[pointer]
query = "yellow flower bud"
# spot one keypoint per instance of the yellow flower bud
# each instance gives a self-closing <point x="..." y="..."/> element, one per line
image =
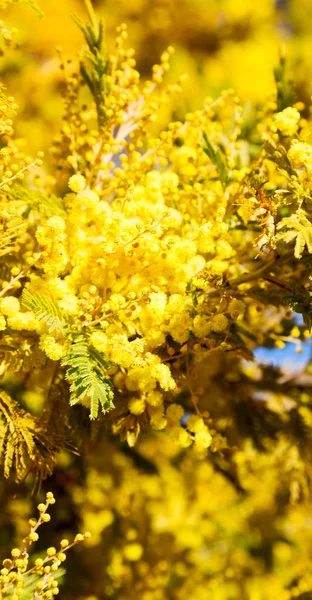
<point x="133" y="552"/>
<point x="77" y="183"/>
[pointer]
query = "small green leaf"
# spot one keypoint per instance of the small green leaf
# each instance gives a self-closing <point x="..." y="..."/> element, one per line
<point x="217" y="159"/>
<point x="86" y="373"/>
<point x="284" y="86"/>
<point x="34" y="6"/>
<point x="45" y="310"/>
<point x="296" y="228"/>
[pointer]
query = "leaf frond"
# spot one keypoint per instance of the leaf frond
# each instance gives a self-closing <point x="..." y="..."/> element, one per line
<point x="45" y="310"/>
<point x="86" y="374"/>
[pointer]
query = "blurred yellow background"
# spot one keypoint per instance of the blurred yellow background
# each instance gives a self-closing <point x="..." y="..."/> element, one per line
<point x="218" y="43"/>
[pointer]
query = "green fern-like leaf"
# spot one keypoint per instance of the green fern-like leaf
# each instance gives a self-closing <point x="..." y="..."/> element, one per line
<point x="31" y="582"/>
<point x="217" y="159"/>
<point x="86" y="373"/>
<point x="297" y="228"/>
<point x="284" y="86"/>
<point x="24" y="446"/>
<point x="94" y="65"/>
<point x="30" y="3"/>
<point x="20" y="354"/>
<point x="48" y="205"/>
<point x="300" y="301"/>
<point x="16" y="436"/>
<point x="12" y="227"/>
<point x="45" y="310"/>
<point x="34" y="6"/>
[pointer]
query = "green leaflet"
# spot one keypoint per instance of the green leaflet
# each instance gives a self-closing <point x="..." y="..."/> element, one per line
<point x="31" y="582"/>
<point x="94" y="64"/>
<point x="45" y="310"/>
<point x="86" y="367"/>
<point x="217" y="159"/>
<point x="34" y="6"/>
<point x="284" y="86"/>
<point x="86" y="374"/>
<point x="30" y="3"/>
<point x="23" y="444"/>
<point x="300" y="302"/>
<point x="48" y="205"/>
<point x="296" y="228"/>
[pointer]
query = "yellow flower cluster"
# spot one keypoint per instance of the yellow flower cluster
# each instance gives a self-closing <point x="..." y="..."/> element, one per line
<point x="54" y="350"/>
<point x="192" y="505"/>
<point x="148" y="260"/>
<point x="52" y="246"/>
<point x="17" y="573"/>
<point x="138" y="249"/>
<point x="300" y="156"/>
<point x="287" y="121"/>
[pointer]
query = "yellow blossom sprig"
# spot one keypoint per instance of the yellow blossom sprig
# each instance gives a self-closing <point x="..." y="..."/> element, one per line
<point x="10" y="177"/>
<point x="16" y="577"/>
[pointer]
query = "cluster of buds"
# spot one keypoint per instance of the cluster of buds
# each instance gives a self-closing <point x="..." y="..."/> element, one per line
<point x="16" y="573"/>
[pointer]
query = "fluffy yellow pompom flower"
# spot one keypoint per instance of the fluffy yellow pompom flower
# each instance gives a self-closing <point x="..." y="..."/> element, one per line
<point x="174" y="413"/>
<point x="154" y="398"/>
<point x="133" y="552"/>
<point x="218" y="323"/>
<point x="56" y="224"/>
<point x="236" y="308"/>
<point x="183" y="158"/>
<point x="300" y="155"/>
<point x="53" y="349"/>
<point x="195" y="424"/>
<point x="99" y="340"/>
<point x="89" y="195"/>
<point x="158" y="421"/>
<point x="53" y="244"/>
<point x="201" y="326"/>
<point x="163" y="375"/>
<point x="184" y="438"/>
<point x="77" y="183"/>
<point x="137" y="406"/>
<point x="9" y="306"/>
<point x="22" y="320"/>
<point x="2" y="324"/>
<point x="203" y="439"/>
<point x="287" y="121"/>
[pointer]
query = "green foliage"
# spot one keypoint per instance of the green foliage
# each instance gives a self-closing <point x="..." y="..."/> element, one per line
<point x="278" y="154"/>
<point x="45" y="310"/>
<point x="94" y="68"/>
<point x="19" y="355"/>
<point x="300" y="301"/>
<point x="299" y="229"/>
<point x="32" y="580"/>
<point x="284" y="86"/>
<point x="34" y="199"/>
<point x="86" y="369"/>
<point x="32" y="4"/>
<point x="23" y="445"/>
<point x="217" y="159"/>
<point x="12" y="226"/>
<point x="17" y="432"/>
